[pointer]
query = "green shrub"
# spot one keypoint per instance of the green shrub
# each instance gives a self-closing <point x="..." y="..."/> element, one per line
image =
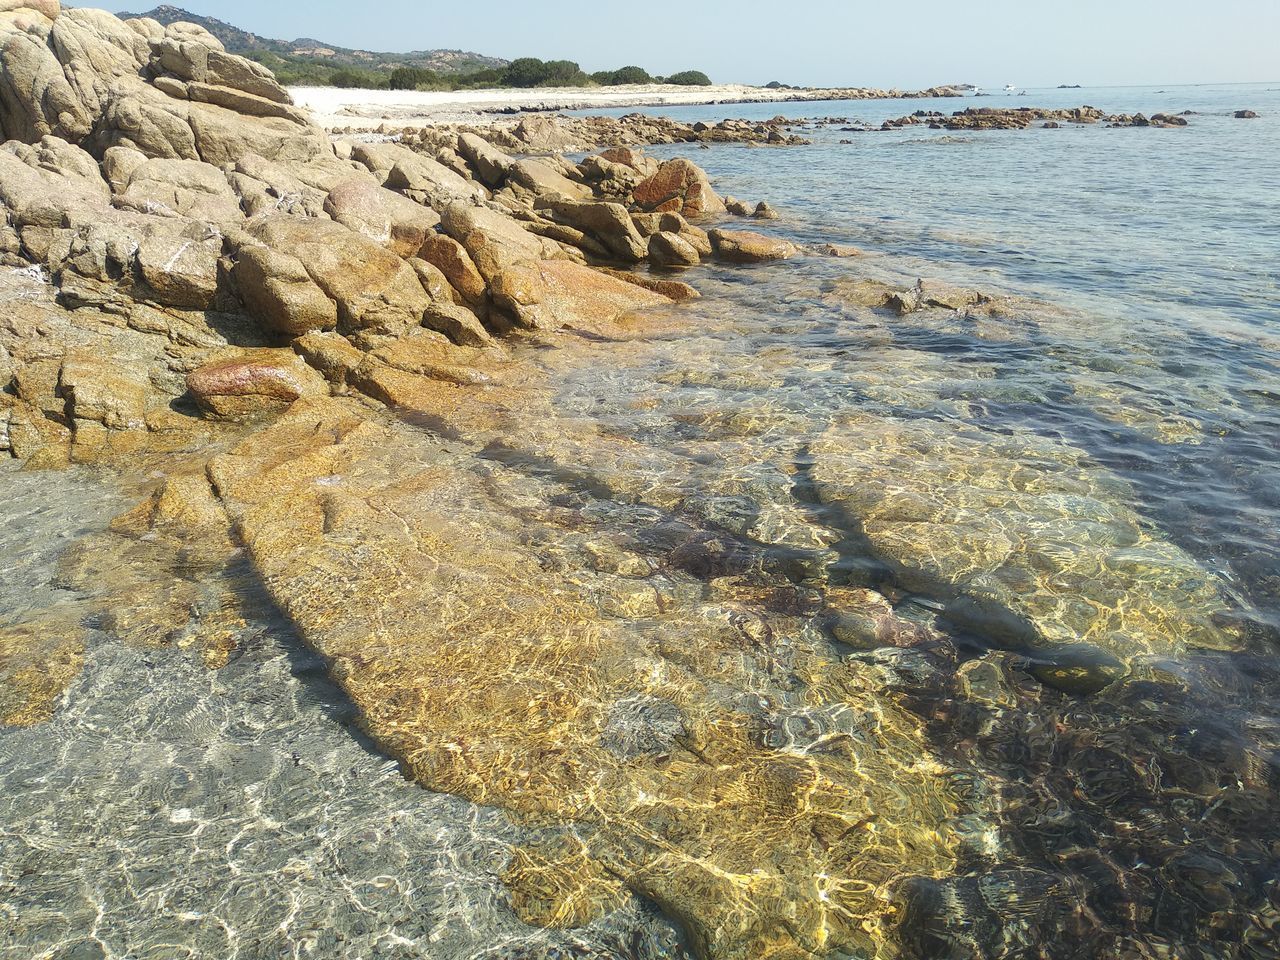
<point x="628" y="75"/>
<point x="532" y="72"/>
<point x="351" y="78"/>
<point x="689" y="78"/>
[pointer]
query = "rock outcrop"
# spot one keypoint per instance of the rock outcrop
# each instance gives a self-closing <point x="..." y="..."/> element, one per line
<point x="680" y="187"/>
<point x="1020" y="118"/>
<point x="179" y="204"/>
<point x="496" y="679"/>
<point x="746" y="246"/>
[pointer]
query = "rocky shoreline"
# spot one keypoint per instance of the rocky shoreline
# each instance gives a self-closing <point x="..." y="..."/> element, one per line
<point x="562" y="134"/>
<point x="305" y="359"/>
<point x="368" y="110"/>
<point x="566" y="134"/>
<point x="201" y="287"/>
<point x="186" y="208"/>
<point x="1020" y="118"/>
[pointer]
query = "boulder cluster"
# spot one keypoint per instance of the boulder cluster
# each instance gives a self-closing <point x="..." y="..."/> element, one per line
<point x="1020" y="118"/>
<point x="543" y="133"/>
<point x="181" y="231"/>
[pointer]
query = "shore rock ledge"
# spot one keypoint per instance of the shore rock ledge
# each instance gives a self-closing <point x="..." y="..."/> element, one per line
<point x="166" y="202"/>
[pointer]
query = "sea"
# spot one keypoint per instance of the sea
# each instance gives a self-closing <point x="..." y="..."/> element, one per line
<point x="1064" y="473"/>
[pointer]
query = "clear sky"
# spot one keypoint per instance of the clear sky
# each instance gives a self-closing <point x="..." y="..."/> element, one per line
<point x="884" y="43"/>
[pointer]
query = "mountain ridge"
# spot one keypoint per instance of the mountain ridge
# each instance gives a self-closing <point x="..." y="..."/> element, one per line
<point x="305" y="58"/>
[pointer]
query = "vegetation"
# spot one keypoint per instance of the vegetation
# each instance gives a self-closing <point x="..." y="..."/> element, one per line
<point x="532" y="72"/>
<point x="689" y="78"/>
<point x="353" y="79"/>
<point x="312" y="63"/>
<point x="529" y="72"/>
<point x="616" y="78"/>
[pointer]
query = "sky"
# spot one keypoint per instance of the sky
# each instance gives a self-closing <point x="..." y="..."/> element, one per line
<point x="880" y="43"/>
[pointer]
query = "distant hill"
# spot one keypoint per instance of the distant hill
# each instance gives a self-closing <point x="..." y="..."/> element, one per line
<point x="306" y="60"/>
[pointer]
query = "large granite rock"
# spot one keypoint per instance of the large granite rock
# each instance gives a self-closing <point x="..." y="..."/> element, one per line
<point x="490" y="164"/>
<point x="672" y="250"/>
<point x="493" y="240"/>
<point x="412" y="173"/>
<point x="184" y="188"/>
<point x="607" y="222"/>
<point x="36" y="99"/>
<point x="493" y="677"/>
<point x="451" y="258"/>
<point x="179" y="262"/>
<point x="42" y="184"/>
<point x="387" y="218"/>
<point x="172" y="93"/>
<point x="372" y="290"/>
<point x="278" y="291"/>
<point x="679" y="187"/>
<point x="551" y="294"/>
<point x="542" y="178"/>
<point x="746" y="246"/>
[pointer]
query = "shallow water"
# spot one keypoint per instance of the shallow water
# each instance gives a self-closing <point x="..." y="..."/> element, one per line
<point x="170" y="811"/>
<point x="1075" y="488"/>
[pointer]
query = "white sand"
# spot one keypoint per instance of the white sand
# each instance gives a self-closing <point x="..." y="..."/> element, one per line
<point x="369" y="109"/>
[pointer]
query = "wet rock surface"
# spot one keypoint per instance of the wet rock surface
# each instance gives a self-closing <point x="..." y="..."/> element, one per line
<point x="504" y="730"/>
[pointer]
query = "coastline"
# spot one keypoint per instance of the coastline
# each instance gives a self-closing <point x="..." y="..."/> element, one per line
<point x="369" y="109"/>
<point x="436" y="541"/>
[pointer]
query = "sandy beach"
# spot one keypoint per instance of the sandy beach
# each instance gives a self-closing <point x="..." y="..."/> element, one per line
<point x="368" y="109"/>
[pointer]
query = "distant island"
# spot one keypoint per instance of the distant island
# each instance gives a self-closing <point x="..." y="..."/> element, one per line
<point x="1070" y="86"/>
<point x="310" y="62"/>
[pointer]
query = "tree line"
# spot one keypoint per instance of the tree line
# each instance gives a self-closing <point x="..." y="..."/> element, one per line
<point x="525" y="72"/>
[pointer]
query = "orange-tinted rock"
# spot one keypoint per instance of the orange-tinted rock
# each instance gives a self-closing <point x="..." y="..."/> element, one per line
<point x="451" y="258"/>
<point x="252" y="383"/>
<point x="679" y="186"/>
<point x="745" y="246"/>
<point x="671" y="289"/>
<point x="623" y="155"/>
<point x="672" y="250"/>
<point x="373" y="290"/>
<point x="386" y="218"/>
<point x="560" y="293"/>
<point x="38" y="661"/>
<point x="277" y="289"/>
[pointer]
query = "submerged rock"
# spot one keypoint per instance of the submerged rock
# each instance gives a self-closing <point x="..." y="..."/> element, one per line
<point x="1024" y="541"/>
<point x="38" y="661"/>
<point x="499" y="681"/>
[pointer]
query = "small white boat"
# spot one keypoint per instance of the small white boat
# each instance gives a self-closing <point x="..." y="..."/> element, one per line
<point x="1009" y="88"/>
